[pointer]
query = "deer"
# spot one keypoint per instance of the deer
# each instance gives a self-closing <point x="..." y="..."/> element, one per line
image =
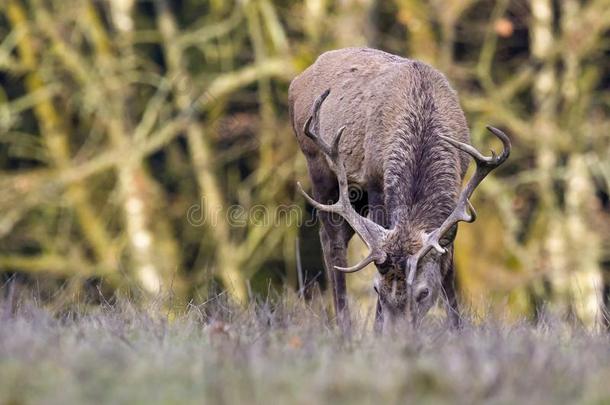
<point x="393" y="127"/>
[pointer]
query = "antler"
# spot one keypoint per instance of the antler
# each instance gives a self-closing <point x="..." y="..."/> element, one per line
<point x="464" y="210"/>
<point x="371" y="233"/>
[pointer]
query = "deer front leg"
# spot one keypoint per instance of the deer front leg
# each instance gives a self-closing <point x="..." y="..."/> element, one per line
<point x="334" y="236"/>
<point x="451" y="303"/>
<point x="335" y="233"/>
<point x="377" y="213"/>
<point x="378" y="326"/>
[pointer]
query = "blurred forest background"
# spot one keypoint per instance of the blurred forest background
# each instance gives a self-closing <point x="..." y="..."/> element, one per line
<point x="130" y="130"/>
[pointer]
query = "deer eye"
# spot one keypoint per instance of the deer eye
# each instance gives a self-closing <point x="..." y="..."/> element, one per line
<point x="383" y="269"/>
<point x="422" y="294"/>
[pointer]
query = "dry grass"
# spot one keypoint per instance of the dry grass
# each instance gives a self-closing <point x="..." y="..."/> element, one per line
<point x="286" y="352"/>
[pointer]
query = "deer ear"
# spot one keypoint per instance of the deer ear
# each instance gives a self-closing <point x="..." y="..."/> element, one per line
<point x="449" y="236"/>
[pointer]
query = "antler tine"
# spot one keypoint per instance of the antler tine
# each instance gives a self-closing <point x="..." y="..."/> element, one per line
<point x="371" y="233"/>
<point x="315" y="119"/>
<point x="492" y="161"/>
<point x="363" y="263"/>
<point x="464" y="211"/>
<point x="314" y="203"/>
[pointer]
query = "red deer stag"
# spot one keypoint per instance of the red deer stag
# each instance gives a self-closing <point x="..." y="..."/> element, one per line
<point x="393" y="127"/>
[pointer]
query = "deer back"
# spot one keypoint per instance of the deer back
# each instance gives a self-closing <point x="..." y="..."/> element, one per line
<point x="393" y="109"/>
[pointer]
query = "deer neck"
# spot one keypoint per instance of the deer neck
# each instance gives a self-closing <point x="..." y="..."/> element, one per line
<point x="421" y="181"/>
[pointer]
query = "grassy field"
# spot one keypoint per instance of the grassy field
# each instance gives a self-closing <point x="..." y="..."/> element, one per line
<point x="287" y="352"/>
